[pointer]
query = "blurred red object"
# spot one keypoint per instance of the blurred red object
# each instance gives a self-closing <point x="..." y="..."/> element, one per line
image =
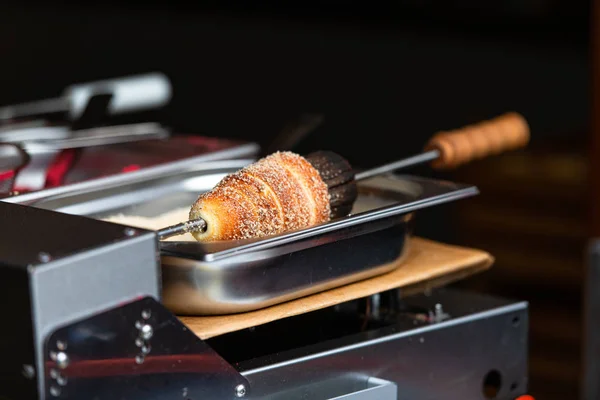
<point x="75" y="165"/>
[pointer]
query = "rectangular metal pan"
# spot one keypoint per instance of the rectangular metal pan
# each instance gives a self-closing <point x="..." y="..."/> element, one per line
<point x="240" y="276"/>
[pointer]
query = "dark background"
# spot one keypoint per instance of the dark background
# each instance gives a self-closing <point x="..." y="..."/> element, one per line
<point x="385" y="76"/>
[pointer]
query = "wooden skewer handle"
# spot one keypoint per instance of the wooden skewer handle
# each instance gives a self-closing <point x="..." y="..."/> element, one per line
<point x="506" y="132"/>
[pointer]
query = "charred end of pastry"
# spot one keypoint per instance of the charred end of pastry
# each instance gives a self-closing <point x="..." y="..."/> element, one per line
<point x="342" y="198"/>
<point x="341" y="211"/>
<point x="338" y="174"/>
<point x="333" y="168"/>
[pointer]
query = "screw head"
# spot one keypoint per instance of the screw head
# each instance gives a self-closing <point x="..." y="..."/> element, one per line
<point x="60" y="345"/>
<point x="44" y="257"/>
<point x="129" y="231"/>
<point x="28" y="371"/>
<point x="146" y="331"/>
<point x="61" y="380"/>
<point x="146" y="314"/>
<point x="54" y="391"/>
<point x="240" y="390"/>
<point x="62" y="360"/>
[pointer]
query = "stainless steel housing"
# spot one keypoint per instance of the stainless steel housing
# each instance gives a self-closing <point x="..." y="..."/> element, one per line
<point x="52" y="277"/>
<point x="478" y="350"/>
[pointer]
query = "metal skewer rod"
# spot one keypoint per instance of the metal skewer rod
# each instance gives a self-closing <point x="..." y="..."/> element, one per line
<point x="445" y="150"/>
<point x="406" y="162"/>
<point x="194" y="225"/>
<point x="197" y="225"/>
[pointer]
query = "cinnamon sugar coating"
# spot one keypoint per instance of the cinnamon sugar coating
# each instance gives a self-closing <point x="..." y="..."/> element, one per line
<point x="278" y="193"/>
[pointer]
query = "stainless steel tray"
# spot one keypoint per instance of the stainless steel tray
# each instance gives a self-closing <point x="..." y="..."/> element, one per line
<point x="232" y="277"/>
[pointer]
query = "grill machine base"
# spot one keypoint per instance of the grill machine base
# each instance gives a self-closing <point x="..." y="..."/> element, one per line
<point x="82" y="319"/>
<point x="446" y="345"/>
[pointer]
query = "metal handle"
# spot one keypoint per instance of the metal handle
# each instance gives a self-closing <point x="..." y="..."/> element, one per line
<point x="132" y="93"/>
<point x="102" y="136"/>
<point x="128" y="94"/>
<point x="377" y="389"/>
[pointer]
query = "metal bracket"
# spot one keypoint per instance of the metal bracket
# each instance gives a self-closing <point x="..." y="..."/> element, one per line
<point x="138" y="350"/>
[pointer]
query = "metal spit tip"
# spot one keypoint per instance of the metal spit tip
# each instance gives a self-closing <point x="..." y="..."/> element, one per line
<point x="194" y="225"/>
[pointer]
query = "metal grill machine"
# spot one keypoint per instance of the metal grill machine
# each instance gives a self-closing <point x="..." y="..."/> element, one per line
<point x="355" y="309"/>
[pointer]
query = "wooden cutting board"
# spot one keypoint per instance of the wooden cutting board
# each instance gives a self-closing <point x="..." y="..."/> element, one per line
<point x="428" y="264"/>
